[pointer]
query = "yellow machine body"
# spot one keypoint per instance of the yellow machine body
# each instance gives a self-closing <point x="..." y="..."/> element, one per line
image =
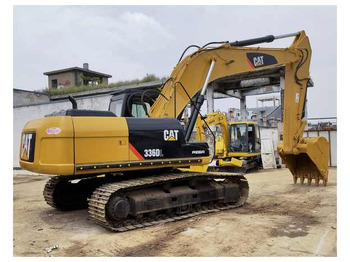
<point x="66" y="145"/>
<point x="232" y="162"/>
<point x="55" y="153"/>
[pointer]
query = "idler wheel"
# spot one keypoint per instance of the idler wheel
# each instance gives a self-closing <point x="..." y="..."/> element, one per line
<point x="118" y="208"/>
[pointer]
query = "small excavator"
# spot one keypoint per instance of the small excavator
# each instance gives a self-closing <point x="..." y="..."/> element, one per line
<point x="126" y="169"/>
<point x="237" y="149"/>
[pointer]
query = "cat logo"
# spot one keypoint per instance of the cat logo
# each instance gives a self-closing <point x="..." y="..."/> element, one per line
<point x="258" y="61"/>
<point x="27" y="147"/>
<point x="170" y="135"/>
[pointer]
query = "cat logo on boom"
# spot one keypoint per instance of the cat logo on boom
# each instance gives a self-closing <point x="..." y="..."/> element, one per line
<point x="256" y="60"/>
<point x="170" y="135"/>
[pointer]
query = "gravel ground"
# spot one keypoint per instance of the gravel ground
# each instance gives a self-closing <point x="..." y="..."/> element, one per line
<point x="279" y="219"/>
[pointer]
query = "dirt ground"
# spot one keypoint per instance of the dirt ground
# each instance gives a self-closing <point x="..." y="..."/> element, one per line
<point x="279" y="219"/>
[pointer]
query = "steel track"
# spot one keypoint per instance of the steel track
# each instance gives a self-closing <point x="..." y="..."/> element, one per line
<point x="98" y="200"/>
<point x="49" y="190"/>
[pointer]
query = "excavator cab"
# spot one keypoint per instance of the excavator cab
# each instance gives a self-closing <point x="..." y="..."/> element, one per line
<point x="244" y="138"/>
<point x="133" y="102"/>
<point x="243" y="150"/>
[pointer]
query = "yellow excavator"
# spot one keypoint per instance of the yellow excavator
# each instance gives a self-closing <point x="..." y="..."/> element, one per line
<point x="126" y="169"/>
<point x="237" y="149"/>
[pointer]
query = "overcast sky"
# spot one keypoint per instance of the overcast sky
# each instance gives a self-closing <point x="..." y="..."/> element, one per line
<point x="131" y="41"/>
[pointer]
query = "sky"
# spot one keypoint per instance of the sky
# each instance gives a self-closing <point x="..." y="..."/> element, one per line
<point x="131" y="41"/>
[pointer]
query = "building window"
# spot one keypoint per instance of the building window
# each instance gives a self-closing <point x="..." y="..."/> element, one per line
<point x="54" y="83"/>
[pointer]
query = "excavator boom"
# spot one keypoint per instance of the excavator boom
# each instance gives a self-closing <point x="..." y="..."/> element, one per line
<point x="305" y="157"/>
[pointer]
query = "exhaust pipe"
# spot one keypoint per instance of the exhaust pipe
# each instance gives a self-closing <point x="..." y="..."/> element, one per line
<point x="73" y="101"/>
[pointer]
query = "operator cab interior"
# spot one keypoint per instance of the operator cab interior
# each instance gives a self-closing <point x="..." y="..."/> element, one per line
<point x="133" y="104"/>
<point x="244" y="137"/>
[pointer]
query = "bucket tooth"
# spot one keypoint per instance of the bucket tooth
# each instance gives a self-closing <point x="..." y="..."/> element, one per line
<point x="295" y="179"/>
<point x="317" y="180"/>
<point x="309" y="179"/>
<point x="324" y="182"/>
<point x="302" y="178"/>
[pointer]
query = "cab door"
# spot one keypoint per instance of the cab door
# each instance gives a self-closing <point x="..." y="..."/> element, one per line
<point x="254" y="143"/>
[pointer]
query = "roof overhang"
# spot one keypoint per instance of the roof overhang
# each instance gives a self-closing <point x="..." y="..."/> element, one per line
<point x="65" y="70"/>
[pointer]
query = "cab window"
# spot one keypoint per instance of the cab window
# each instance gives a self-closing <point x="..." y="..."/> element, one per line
<point x="138" y="109"/>
<point x="238" y="138"/>
<point x="116" y="107"/>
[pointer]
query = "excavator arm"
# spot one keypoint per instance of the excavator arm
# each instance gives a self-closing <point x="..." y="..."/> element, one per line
<point x="214" y="118"/>
<point x="305" y="157"/>
<point x="221" y="145"/>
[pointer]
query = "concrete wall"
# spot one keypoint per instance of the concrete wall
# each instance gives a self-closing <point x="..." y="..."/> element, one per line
<point x="23" y="97"/>
<point x="22" y="114"/>
<point x="63" y="79"/>
<point x="79" y="79"/>
<point x="105" y="80"/>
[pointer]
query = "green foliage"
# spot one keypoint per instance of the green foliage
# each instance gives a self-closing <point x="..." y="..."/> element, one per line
<point x="94" y="80"/>
<point x="76" y="89"/>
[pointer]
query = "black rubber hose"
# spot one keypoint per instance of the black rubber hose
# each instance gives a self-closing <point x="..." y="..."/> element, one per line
<point x="183" y="53"/>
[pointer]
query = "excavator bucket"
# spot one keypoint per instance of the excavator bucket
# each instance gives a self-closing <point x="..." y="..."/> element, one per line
<point x="309" y="160"/>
